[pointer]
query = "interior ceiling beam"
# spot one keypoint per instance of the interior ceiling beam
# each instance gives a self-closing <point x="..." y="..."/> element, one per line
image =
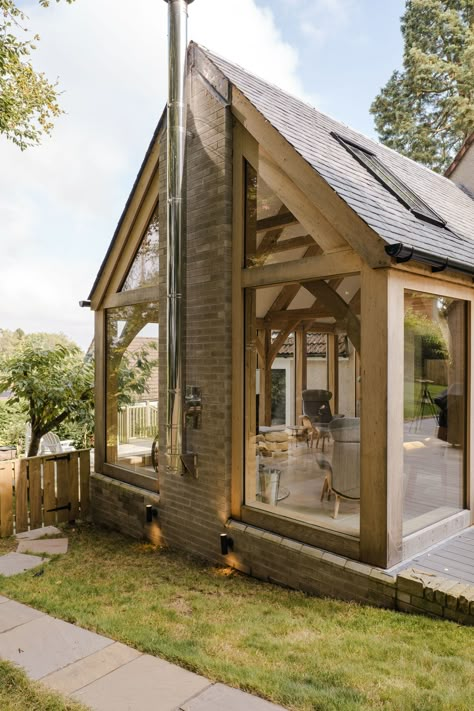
<point x="289" y="291"/>
<point x="281" y="220"/>
<point x="342" y="312"/>
<point x="304" y="209"/>
<point x="274" y="247"/>
<point x="279" y="341"/>
<point x="267" y="242"/>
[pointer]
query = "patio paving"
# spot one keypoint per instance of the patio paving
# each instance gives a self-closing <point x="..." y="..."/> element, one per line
<point x="106" y="675"/>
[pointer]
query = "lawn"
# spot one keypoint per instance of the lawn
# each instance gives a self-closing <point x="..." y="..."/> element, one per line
<point x="18" y="693"/>
<point x="300" y="651"/>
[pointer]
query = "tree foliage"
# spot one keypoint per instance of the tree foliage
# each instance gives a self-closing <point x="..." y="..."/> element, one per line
<point x="426" y="110"/>
<point x="52" y="386"/>
<point x="28" y="100"/>
<point x="49" y="384"/>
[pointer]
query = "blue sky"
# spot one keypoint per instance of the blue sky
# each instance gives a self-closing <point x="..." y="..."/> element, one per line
<point x="60" y="202"/>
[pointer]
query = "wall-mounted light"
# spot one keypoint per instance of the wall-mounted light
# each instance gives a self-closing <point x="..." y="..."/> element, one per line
<point x="84" y="304"/>
<point x="227" y="543"/>
<point x="151" y="513"/>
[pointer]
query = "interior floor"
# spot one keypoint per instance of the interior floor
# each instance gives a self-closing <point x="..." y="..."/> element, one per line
<point x="432" y="483"/>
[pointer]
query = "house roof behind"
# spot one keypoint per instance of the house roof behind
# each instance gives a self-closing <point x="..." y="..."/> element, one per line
<point x="309" y="132"/>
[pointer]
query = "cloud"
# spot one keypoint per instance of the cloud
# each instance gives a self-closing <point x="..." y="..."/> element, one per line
<point x="60" y="202"/>
<point x="320" y="20"/>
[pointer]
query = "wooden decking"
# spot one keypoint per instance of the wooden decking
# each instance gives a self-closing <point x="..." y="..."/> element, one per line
<point x="452" y="559"/>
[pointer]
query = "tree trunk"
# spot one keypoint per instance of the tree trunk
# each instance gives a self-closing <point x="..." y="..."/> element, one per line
<point x="34" y="444"/>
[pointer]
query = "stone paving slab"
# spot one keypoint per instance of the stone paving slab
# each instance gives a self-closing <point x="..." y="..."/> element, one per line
<point x="45" y="645"/>
<point x="38" y="533"/>
<point x="51" y="546"/>
<point x="145" y="683"/>
<point x="219" y="697"/>
<point x="91" y="668"/>
<point x="15" y="563"/>
<point x="13" y="614"/>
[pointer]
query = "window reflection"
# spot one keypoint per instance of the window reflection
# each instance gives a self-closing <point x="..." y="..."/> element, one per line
<point x="434" y="409"/>
<point x="146" y="264"/>
<point x="132" y="387"/>
<point x="302" y="408"/>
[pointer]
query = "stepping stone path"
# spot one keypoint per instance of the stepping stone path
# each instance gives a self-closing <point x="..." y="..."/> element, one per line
<point x="32" y="542"/>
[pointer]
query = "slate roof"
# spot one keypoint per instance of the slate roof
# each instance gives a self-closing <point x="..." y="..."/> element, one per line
<point x="308" y="131"/>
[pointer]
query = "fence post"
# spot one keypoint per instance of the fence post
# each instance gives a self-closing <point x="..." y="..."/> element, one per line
<point x="6" y="498"/>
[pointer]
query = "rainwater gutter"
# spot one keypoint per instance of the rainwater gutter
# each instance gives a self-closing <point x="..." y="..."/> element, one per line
<point x="405" y="253"/>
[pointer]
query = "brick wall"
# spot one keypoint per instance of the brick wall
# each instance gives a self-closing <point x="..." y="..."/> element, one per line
<point x="194" y="511"/>
<point x="121" y="507"/>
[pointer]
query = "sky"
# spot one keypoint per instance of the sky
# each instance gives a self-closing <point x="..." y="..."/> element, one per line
<point x="60" y="202"/>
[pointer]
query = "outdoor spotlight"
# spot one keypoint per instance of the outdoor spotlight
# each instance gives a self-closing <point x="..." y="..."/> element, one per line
<point x="227" y="543"/>
<point x="84" y="304"/>
<point x="151" y="513"/>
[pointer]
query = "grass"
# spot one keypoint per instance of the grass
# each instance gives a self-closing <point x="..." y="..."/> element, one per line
<point x="18" y="693"/>
<point x="302" y="652"/>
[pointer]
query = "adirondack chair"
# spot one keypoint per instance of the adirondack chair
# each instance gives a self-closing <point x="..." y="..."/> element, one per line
<point x="49" y="443"/>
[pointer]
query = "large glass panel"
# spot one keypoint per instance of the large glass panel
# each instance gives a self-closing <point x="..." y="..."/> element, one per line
<point x="146" y="264"/>
<point x="272" y="233"/>
<point x="132" y="388"/>
<point x="434" y="409"/>
<point x="302" y="410"/>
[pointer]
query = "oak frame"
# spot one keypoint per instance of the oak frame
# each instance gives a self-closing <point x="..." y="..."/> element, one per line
<point x="382" y="312"/>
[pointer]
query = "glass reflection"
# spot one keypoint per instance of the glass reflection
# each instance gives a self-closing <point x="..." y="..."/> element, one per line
<point x="434" y="409"/>
<point x="132" y="387"/>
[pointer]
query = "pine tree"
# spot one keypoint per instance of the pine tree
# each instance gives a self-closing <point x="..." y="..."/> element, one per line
<point x="426" y="110"/>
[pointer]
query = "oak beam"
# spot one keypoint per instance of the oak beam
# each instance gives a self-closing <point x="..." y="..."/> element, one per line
<point x="341" y="311"/>
<point x="281" y="220"/>
<point x="333" y="369"/>
<point x="301" y="371"/>
<point x="300" y="205"/>
<point x="325" y="266"/>
<point x="279" y="341"/>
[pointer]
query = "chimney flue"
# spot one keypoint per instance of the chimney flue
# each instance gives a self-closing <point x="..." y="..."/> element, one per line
<point x="176" y="225"/>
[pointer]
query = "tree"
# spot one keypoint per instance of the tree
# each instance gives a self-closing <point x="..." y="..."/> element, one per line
<point x="52" y="386"/>
<point x="28" y="101"/>
<point x="426" y="110"/>
<point x="49" y="384"/>
<point x="10" y="340"/>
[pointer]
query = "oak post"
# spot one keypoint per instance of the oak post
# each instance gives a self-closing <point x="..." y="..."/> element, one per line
<point x="381" y="418"/>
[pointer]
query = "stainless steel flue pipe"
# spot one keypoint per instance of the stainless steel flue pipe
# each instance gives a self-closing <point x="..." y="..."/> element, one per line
<point x="176" y="224"/>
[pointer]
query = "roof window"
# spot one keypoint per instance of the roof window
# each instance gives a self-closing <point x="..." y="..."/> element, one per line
<point x="391" y="182"/>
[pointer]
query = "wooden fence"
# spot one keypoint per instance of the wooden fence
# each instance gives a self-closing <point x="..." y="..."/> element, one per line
<point x="44" y="490"/>
<point x="137" y="421"/>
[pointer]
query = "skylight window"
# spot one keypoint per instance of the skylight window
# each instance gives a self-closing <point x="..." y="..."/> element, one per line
<point x="390" y="181"/>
